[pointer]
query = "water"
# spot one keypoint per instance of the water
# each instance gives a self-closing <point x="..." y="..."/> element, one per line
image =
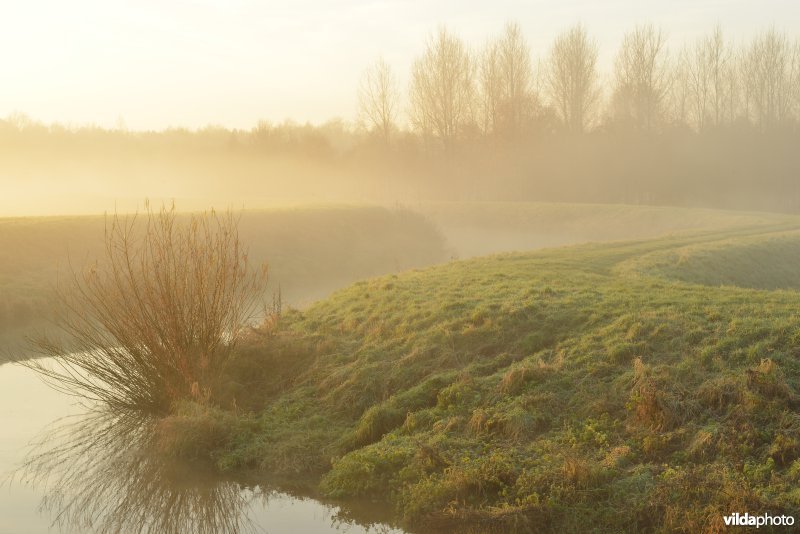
<point x="85" y="471"/>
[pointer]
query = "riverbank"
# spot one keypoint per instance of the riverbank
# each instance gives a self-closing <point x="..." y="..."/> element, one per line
<point x="608" y="385"/>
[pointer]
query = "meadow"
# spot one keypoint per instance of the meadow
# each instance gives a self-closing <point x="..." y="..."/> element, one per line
<point x="648" y="385"/>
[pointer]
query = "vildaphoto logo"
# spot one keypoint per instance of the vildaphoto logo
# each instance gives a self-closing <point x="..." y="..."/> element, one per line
<point x="765" y="520"/>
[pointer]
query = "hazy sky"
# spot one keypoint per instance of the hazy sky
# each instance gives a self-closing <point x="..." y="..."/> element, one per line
<point x="191" y="63"/>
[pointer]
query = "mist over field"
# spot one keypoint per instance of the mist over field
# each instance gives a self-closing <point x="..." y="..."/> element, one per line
<point x="399" y="266"/>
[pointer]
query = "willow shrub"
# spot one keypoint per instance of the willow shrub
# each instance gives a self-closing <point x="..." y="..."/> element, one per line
<point x="156" y="319"/>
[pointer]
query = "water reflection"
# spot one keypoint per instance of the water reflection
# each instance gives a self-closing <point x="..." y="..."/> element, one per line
<point x="96" y="471"/>
<point x="99" y="472"/>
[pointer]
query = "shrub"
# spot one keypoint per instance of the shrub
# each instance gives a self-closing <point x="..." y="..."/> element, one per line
<point x="156" y="319"/>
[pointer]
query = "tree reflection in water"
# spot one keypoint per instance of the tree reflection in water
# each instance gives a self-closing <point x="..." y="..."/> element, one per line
<point x="101" y="473"/>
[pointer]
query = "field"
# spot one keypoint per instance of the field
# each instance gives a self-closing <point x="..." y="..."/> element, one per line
<point x="481" y="228"/>
<point x="649" y="384"/>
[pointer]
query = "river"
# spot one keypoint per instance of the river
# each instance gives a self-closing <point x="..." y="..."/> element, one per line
<point x="83" y="472"/>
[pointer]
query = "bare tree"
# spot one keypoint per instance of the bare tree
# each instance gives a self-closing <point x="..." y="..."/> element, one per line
<point x="506" y="79"/>
<point x="733" y="90"/>
<point x="379" y="99"/>
<point x="442" y="90"/>
<point x="769" y="72"/>
<point x="490" y="92"/>
<point x="642" y="77"/>
<point x="679" y="101"/>
<point x="796" y="78"/>
<point x="707" y="75"/>
<point x="572" y="80"/>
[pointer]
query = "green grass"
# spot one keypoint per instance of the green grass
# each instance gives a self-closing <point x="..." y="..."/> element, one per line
<point x="602" y="387"/>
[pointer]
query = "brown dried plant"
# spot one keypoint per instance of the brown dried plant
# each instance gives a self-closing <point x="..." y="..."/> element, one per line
<point x="156" y="319"/>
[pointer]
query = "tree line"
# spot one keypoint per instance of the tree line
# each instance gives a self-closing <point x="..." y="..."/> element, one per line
<point x="456" y="94"/>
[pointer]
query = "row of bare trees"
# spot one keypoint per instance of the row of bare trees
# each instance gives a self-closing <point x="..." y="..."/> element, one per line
<point x="455" y="93"/>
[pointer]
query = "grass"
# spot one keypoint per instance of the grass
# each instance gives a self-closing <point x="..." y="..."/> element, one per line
<point x="602" y="387"/>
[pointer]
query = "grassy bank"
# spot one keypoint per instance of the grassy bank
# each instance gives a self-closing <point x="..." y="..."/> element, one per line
<point x="649" y="385"/>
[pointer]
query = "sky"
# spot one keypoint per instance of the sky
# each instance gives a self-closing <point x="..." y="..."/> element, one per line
<point x="152" y="64"/>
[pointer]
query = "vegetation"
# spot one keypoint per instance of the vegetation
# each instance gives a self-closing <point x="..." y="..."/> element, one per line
<point x="154" y="321"/>
<point x="603" y="386"/>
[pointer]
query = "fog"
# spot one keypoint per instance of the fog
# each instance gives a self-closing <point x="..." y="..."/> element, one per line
<point x="709" y="122"/>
